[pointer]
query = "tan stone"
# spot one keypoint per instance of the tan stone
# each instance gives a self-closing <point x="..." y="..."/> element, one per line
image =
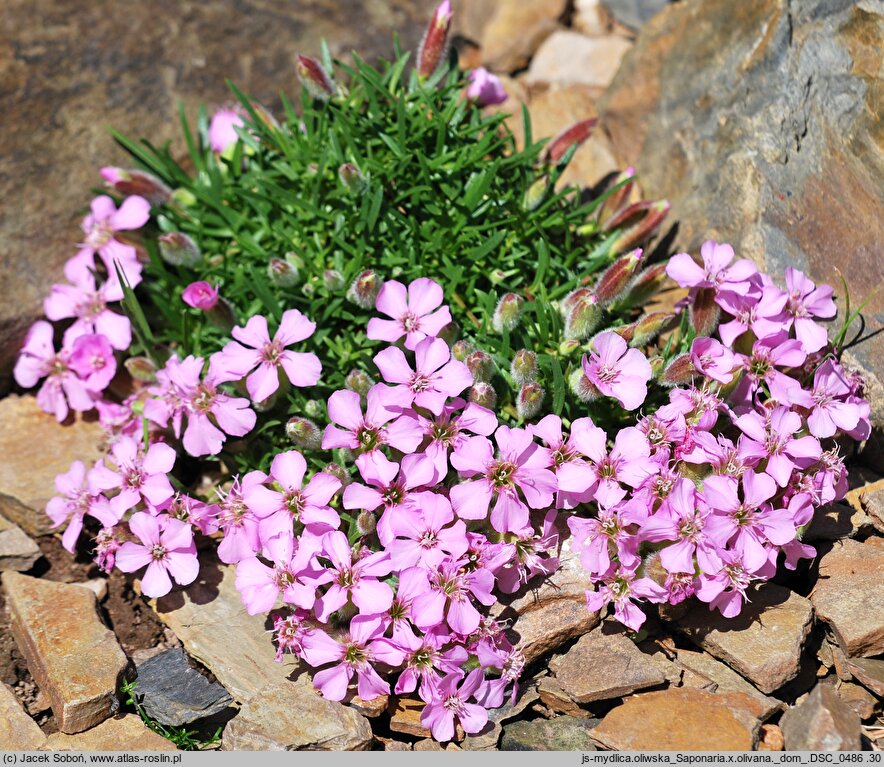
<point x="590" y="17"/>
<point x="487" y="739"/>
<point x="393" y="745"/>
<point x="835" y="521"/>
<point x="604" y="664"/>
<point x="516" y="29"/>
<point x="822" y="722"/>
<point x="35" y="448"/>
<point x="370" y="708"/>
<point x="570" y="58"/>
<point x="123" y="733"/>
<point x="18" y="732"/>
<point x="771" y="738"/>
<point x="858" y="698"/>
<point x="869" y="672"/>
<point x="681" y="719"/>
<point x="556" y="699"/>
<point x="405" y="717"/>
<point x="17" y="551"/>
<point x="848" y="596"/>
<point x="763" y="643"/>
<point x="428" y="744"/>
<point x="74" y="658"/>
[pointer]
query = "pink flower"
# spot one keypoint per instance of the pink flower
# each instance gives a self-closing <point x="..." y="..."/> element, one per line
<point x="379" y="426"/>
<point x="168" y="552"/>
<point x="774" y="439"/>
<point x="415" y="313"/>
<point x="833" y="409"/>
<point x="222" y="129"/>
<point x="425" y="535"/>
<point x="617" y="371"/>
<point x="611" y="533"/>
<point x="353" y="579"/>
<point x="290" y="578"/>
<point x="806" y="300"/>
<point x="423" y="657"/>
<point x="768" y="354"/>
<point x="92" y="358"/>
<point x="567" y="460"/>
<point x="485" y="88"/>
<point x="725" y="589"/>
<point x="88" y="305"/>
<point x="713" y="360"/>
<point x="448" y="597"/>
<point x="138" y="475"/>
<point x="451" y="706"/>
<point x="622" y="589"/>
<point x="200" y="295"/>
<point x="80" y="494"/>
<point x="237" y="521"/>
<point x="716" y="271"/>
<point x="763" y="315"/>
<point x="258" y="353"/>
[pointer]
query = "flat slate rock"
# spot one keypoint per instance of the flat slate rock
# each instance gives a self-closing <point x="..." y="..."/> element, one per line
<point x="850" y="598"/>
<point x="74" y="658"/>
<point x="122" y="733"/>
<point x="174" y="693"/>
<point x="18" y="732"/>
<point x="763" y="643"/>
<point x="822" y="722"/>
<point x="562" y="733"/>
<point x="17" y="551"/>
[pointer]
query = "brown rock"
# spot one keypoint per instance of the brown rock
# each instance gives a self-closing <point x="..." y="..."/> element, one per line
<point x="763" y="643"/>
<point x="527" y="695"/>
<point x="835" y="521"/>
<point x="18" y="732"/>
<point x="771" y="738"/>
<point x="556" y="699"/>
<point x="74" y="658"/>
<point x="428" y="744"/>
<point x="394" y="745"/>
<point x="370" y="708"/>
<point x="561" y="733"/>
<point x="516" y="30"/>
<point x="17" y="551"/>
<point x="604" y="664"/>
<point x="568" y="58"/>
<point x="823" y="722"/>
<point x="873" y="503"/>
<point x="122" y="733"/>
<point x="858" y="496"/>
<point x="848" y="596"/>
<point x="471" y="17"/>
<point x="28" y="468"/>
<point x="590" y="18"/>
<point x="681" y="719"/>
<point x="869" y="672"/>
<point x="484" y="740"/>
<point x="405" y="717"/>
<point x="858" y="698"/>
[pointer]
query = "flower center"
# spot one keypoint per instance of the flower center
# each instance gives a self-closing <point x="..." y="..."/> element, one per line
<point x="355" y="654"/>
<point x="99" y="235"/>
<point x="134" y="478"/>
<point x="294" y="503"/>
<point x="394" y="495"/>
<point x="419" y="383"/>
<point x="204" y="399"/>
<point x="368" y="437"/>
<point x="444" y="433"/>
<point x="428" y="540"/>
<point x="270" y="353"/>
<point x="158" y="552"/>
<point x="347" y="578"/>
<point x="606" y="374"/>
<point x="500" y="474"/>
<point x="410" y="322"/>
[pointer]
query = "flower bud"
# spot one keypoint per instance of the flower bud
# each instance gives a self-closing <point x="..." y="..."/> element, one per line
<point x="481" y="365"/>
<point x="339" y="472"/>
<point x="582" y="387"/>
<point x="304" y="433"/>
<point x="315" y="79"/>
<point x="704" y="312"/>
<point x="483" y="394"/>
<point x="334" y="280"/>
<point x="529" y="401"/>
<point x="657" y="365"/>
<point x="613" y="283"/>
<point x="449" y="333"/>
<point x="535" y="193"/>
<point x="626" y="332"/>
<point x="584" y="315"/>
<point x="140" y="183"/>
<point x="178" y="249"/>
<point x="365" y="288"/>
<point x="434" y="46"/>
<point x="568" y="347"/>
<point x="524" y="367"/>
<point x="508" y="312"/>
<point x="265" y="405"/>
<point x="563" y="141"/>
<point x="679" y="371"/>
<point x="485" y="88"/>
<point x="462" y="349"/>
<point x="639" y="222"/>
<point x="313" y="408"/>
<point x="183" y="197"/>
<point x="351" y="178"/>
<point x="366" y="523"/>
<point x="359" y="382"/>
<point x="649" y="326"/>
<point x="222" y="316"/>
<point x="282" y="273"/>
<point x="200" y="295"/>
<point x="644" y="286"/>
<point x="619" y="198"/>
<point x="141" y="369"/>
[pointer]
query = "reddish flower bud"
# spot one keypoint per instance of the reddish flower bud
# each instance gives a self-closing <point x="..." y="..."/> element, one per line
<point x="616" y="278"/>
<point x="359" y="382"/>
<point x="315" y="79"/>
<point x="137" y="182"/>
<point x="462" y="349"/>
<point x="563" y="141"/>
<point x="365" y="288"/>
<point x="678" y="372"/>
<point x="582" y="387"/>
<point x="434" y="45"/>
<point x="483" y="394"/>
<point x="481" y="365"/>
<point x="282" y="273"/>
<point x="646" y="284"/>
<point x="649" y="326"/>
<point x="339" y="472"/>
<point x="351" y="177"/>
<point x="508" y="312"/>
<point x="524" y="367"/>
<point x="366" y="523"/>
<point x="705" y="313"/>
<point x="638" y="222"/>
<point x="334" y="280"/>
<point x="141" y="369"/>
<point x="619" y="198"/>
<point x="303" y="433"/>
<point x="178" y="249"/>
<point x="584" y="314"/>
<point x="529" y="401"/>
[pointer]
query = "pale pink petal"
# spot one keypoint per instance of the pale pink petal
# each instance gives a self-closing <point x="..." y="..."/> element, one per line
<point x="302" y="368"/>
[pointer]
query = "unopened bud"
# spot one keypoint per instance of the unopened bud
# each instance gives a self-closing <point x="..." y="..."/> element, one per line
<point x="582" y="387"/>
<point x="508" y="312"/>
<point x="434" y="46"/>
<point x="704" y="312"/>
<point x="282" y="273"/>
<point x="265" y="405"/>
<point x="568" y="347"/>
<point x="646" y="284"/>
<point x="449" y="333"/>
<point x="535" y="193"/>
<point x="351" y="177"/>
<point x="313" y="408"/>
<point x="308" y="289"/>
<point x="649" y="326"/>
<point x="339" y="472"/>
<point x="657" y="364"/>
<point x="183" y="197"/>
<point x="524" y="367"/>
<point x="359" y="382"/>
<point x="626" y="332"/>
<point x="365" y="288"/>
<point x="137" y="182"/>
<point x="334" y="280"/>
<point x="315" y="79"/>
<point x="573" y="136"/>
<point x="222" y="316"/>
<point x="529" y="401"/>
<point x="680" y="371"/>
<point x="178" y="249"/>
<point x="483" y="394"/>
<point x="462" y="349"/>
<point x="303" y="433"/>
<point x="141" y="369"/>
<point x="619" y="198"/>
<point x="366" y="523"/>
<point x="639" y="222"/>
<point x="615" y="279"/>
<point x="480" y="365"/>
<point x="583" y="317"/>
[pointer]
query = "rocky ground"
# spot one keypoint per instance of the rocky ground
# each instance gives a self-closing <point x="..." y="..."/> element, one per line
<point x="701" y="100"/>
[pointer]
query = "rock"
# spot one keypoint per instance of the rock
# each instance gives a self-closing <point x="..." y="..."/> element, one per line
<point x="869" y="672"/>
<point x="874" y="506"/>
<point x="174" y="693"/>
<point x="835" y="521"/>
<point x="294" y="717"/>
<point x="556" y="699"/>
<point x="74" y="658"/>
<point x="763" y="643"/>
<point x="97" y="586"/>
<point x="516" y="29"/>
<point x="770" y="738"/>
<point x="393" y="745"/>
<point x="590" y="17"/>
<point x="862" y="487"/>
<point x="858" y="698"/>
<point x="570" y="58"/>
<point x="405" y="717"/>
<point x="681" y="719"/>
<point x="848" y="596"/>
<point x="471" y="17"/>
<point x="121" y="733"/>
<point x="760" y="122"/>
<point x="563" y="733"/>
<point x="428" y="744"/>
<point x="18" y="732"/>
<point x="604" y="664"/>
<point x="484" y="740"/>
<point x="634" y="13"/>
<point x="527" y="695"/>
<point x="371" y="708"/>
<point x="17" y="551"/>
<point x="823" y="722"/>
<point x="28" y="468"/>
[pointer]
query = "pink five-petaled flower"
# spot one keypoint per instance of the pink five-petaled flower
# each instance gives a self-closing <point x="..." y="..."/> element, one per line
<point x="92" y="358"/>
<point x="435" y="379"/>
<point x="716" y="271"/>
<point x="621" y="589"/>
<point x="448" y="597"/>
<point x="416" y="313"/>
<point x="617" y="371"/>
<point x="425" y="535"/>
<point x="774" y="440"/>
<point x="290" y="577"/>
<point x="167" y="550"/>
<point x="222" y="129"/>
<point x="80" y="495"/>
<point x="368" y="432"/>
<point x="726" y="588"/>
<point x="763" y="314"/>
<point x="522" y="465"/>
<point x="237" y="521"/>
<point x="88" y="304"/>
<point x="260" y="358"/>
<point x="485" y="88"/>
<point x="712" y="359"/>
<point x="806" y="300"/>
<point x="200" y="295"/>
<point x="352" y="578"/>
<point x="451" y="705"/>
<point x="138" y="474"/>
<point x="580" y="477"/>
<point x="832" y="409"/>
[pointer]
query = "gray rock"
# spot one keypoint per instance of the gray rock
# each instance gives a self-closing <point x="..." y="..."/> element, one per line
<point x="563" y="733"/>
<point x="835" y="521"/>
<point x="634" y="13"/>
<point x="17" y="730"/>
<point x="17" y="551"/>
<point x="823" y="722"/>
<point x="174" y="693"/>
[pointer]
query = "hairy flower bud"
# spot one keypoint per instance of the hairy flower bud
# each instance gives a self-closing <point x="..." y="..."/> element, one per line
<point x="221" y="315"/>
<point x="657" y="365"/>
<point x="583" y="314"/>
<point x="140" y="183"/>
<point x="303" y="433"/>
<point x="315" y="79"/>
<point x="529" y="401"/>
<point x="535" y="194"/>
<point x="366" y="523"/>
<point x="619" y="198"/>
<point x="626" y="332"/>
<point x="352" y="179"/>
<point x="177" y="249"/>
<point x="679" y="371"/>
<point x="313" y="408"/>
<point x="359" y="382"/>
<point x="141" y="369"/>
<point x="334" y="280"/>
<point x="434" y="45"/>
<point x="574" y="135"/>
<point x="705" y="313"/>
<point x="646" y="284"/>
<point x="568" y="347"/>
<point x="462" y="349"/>
<point x="365" y="288"/>
<point x="649" y="326"/>
<point x="483" y="394"/>
<point x="638" y="222"/>
<point x="339" y="472"/>
<point x="615" y="279"/>
<point x="481" y="365"/>
<point x="524" y="367"/>
<point x="449" y="333"/>
<point x="582" y="387"/>
<point x="508" y="312"/>
<point x="282" y="273"/>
